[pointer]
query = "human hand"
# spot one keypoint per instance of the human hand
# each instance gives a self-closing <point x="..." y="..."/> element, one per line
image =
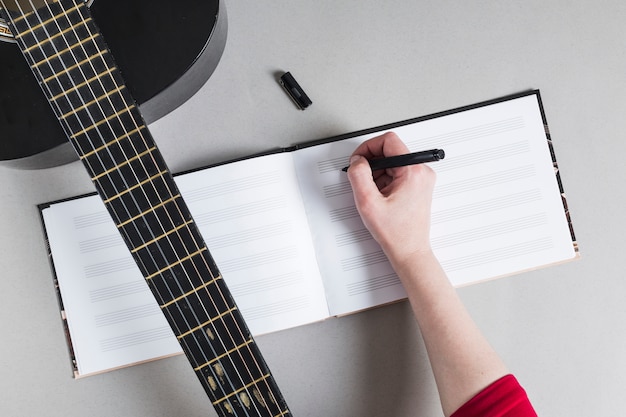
<point x="394" y="203"/>
<point x="395" y="206"/>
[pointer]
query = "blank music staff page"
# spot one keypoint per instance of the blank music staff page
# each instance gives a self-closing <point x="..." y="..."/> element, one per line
<point x="497" y="208"/>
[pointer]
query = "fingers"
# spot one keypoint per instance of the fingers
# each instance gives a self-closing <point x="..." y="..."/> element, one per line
<point x="388" y="144"/>
<point x="394" y="203"/>
<point x="360" y="177"/>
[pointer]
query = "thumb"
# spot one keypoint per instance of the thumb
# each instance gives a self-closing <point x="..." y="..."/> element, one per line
<point x="360" y="177"/>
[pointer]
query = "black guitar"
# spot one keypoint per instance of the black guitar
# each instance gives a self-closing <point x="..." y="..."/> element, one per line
<point x="165" y="50"/>
<point x="67" y="55"/>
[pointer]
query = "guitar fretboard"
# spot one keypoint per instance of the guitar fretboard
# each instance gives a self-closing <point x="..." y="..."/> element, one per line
<point x="78" y="75"/>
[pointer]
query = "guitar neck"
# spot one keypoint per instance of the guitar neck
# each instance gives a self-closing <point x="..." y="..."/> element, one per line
<point x="78" y="75"/>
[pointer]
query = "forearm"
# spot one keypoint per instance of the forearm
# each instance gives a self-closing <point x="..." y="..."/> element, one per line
<point x="395" y="206"/>
<point x="462" y="360"/>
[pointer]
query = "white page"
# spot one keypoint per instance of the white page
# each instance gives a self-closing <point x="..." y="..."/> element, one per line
<point x="497" y="209"/>
<point x="251" y="207"/>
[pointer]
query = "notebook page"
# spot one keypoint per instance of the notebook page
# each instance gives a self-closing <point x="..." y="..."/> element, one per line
<point x="253" y="222"/>
<point x="497" y="208"/>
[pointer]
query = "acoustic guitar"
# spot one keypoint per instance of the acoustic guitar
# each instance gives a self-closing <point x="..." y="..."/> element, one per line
<point x="75" y="69"/>
<point x="165" y="50"/>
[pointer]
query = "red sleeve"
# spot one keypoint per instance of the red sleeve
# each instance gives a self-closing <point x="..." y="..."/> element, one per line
<point x="503" y="398"/>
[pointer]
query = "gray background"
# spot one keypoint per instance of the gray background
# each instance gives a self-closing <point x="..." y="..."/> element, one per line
<point x="365" y="63"/>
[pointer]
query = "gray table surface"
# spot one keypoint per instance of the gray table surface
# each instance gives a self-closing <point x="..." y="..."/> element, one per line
<point x="561" y="330"/>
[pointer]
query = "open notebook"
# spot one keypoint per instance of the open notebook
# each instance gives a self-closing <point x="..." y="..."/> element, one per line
<point x="285" y="234"/>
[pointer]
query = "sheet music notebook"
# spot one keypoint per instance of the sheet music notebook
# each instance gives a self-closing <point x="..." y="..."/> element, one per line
<point x="284" y="231"/>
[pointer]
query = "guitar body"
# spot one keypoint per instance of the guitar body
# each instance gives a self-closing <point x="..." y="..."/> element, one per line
<point x="165" y="50"/>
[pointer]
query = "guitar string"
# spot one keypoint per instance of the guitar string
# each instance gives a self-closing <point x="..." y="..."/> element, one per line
<point x="123" y="203"/>
<point x="81" y="123"/>
<point x="198" y="246"/>
<point x="58" y="109"/>
<point x="218" y="288"/>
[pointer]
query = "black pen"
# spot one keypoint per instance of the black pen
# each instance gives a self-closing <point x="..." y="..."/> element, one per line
<point x="404" y="160"/>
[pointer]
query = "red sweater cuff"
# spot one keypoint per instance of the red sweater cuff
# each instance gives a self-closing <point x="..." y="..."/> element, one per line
<point x="503" y="398"/>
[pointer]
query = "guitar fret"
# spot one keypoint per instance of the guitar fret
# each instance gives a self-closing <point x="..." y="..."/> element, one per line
<point x="258" y="393"/>
<point x="64" y="32"/>
<point x="102" y="113"/>
<point x="125" y="134"/>
<point x="218" y="333"/>
<point x="52" y="19"/>
<point x="113" y="142"/>
<point x="138" y="202"/>
<point x="69" y="57"/>
<point x="59" y="54"/>
<point x="17" y="18"/>
<point x="73" y="89"/>
<point x="128" y="175"/>
<point x="177" y="297"/>
<point x="242" y="389"/>
<point x="210" y="300"/>
<point x="164" y="235"/>
<point x="180" y="261"/>
<point x="179" y="253"/>
<point x="212" y="320"/>
<point x="166" y="217"/>
<point x="103" y="97"/>
<point x="228" y="409"/>
<point x="134" y="187"/>
<point x="187" y="294"/>
<point x="152" y="209"/>
<point x="247" y="343"/>
<point x="124" y="163"/>
<point x="99" y="54"/>
<point x="100" y="122"/>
